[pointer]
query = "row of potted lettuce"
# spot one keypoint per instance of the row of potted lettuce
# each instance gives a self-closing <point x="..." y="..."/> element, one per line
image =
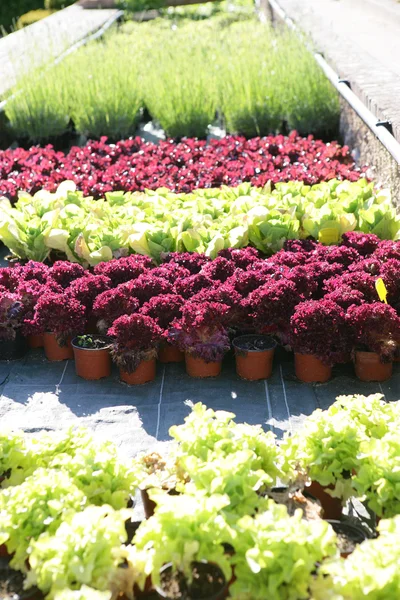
<point x="213" y="516"/>
<point x="328" y="304"/>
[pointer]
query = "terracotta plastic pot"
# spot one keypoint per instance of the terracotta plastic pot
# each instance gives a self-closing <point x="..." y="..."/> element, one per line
<point x="54" y="352"/>
<point x="310" y="369"/>
<point x="149" y="505"/>
<point x="92" y="363"/>
<point x="14" y="349"/>
<point x="203" y="568"/>
<point x="254" y="363"/>
<point x="170" y="354"/>
<point x="199" y="368"/>
<point x="353" y="533"/>
<point x="332" y="507"/>
<point x="36" y="341"/>
<point x="145" y="372"/>
<point x="368" y="367"/>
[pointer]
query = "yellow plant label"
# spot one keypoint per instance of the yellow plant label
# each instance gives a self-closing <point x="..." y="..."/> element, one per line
<point x="328" y="235"/>
<point x="381" y="289"/>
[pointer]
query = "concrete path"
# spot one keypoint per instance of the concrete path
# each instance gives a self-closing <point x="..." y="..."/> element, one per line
<point x="361" y="41"/>
<point x="46" y="39"/>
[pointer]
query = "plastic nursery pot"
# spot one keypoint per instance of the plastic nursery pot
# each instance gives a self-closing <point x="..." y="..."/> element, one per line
<point x="145" y="372"/>
<point x="170" y="354"/>
<point x="199" y="368"/>
<point x="55" y="352"/>
<point x="208" y="583"/>
<point x="310" y="369"/>
<point x="332" y="507"/>
<point x="254" y="356"/>
<point x="349" y="536"/>
<point x="36" y="341"/>
<point x="149" y="505"/>
<point x="92" y="363"/>
<point x="13" y="349"/>
<point x="368" y="367"/>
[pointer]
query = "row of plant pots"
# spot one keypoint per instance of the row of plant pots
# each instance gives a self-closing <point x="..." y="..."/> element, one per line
<point x="253" y="354"/>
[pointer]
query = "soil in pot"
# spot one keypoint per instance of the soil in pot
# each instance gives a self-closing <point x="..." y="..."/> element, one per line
<point x="54" y="352"/>
<point x="294" y="499"/>
<point x="208" y="583"/>
<point x="36" y="341"/>
<point x="145" y="372"/>
<point x="149" y="505"/>
<point x="92" y="356"/>
<point x="199" y="368"/>
<point x="332" y="507"/>
<point x="348" y="535"/>
<point x="11" y="585"/>
<point x="13" y="349"/>
<point x="170" y="354"/>
<point x="368" y="367"/>
<point x="310" y="369"/>
<point x="254" y="356"/>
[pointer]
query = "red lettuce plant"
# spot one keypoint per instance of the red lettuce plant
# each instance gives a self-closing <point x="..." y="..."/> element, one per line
<point x="341" y="255"/>
<point x="200" y="331"/>
<point x="171" y="272"/>
<point x="220" y="269"/>
<point x="386" y="250"/>
<point x="245" y="282"/>
<point x="364" y="243"/>
<point x="164" y="309"/>
<point x="59" y="314"/>
<point x="271" y="306"/>
<point x="33" y="271"/>
<point x="376" y="328"/>
<point x="369" y="265"/>
<point x="300" y="245"/>
<point x="64" y="273"/>
<point x="319" y="328"/>
<point x="111" y="304"/>
<point x="191" y="261"/>
<point x="11" y="314"/>
<point x="146" y="286"/>
<point x="241" y="257"/>
<point x="120" y="270"/>
<point x="345" y="297"/>
<point x="136" y="338"/>
<point x="227" y="295"/>
<point x="191" y="285"/>
<point x="358" y="280"/>
<point x="87" y="288"/>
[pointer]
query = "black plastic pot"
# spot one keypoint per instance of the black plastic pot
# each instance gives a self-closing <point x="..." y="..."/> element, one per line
<point x="14" y="349"/>
<point x="188" y="590"/>
<point x="353" y="533"/>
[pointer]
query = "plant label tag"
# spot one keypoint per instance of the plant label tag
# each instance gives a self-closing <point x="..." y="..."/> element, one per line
<point x="381" y="289"/>
<point x="328" y="235"/>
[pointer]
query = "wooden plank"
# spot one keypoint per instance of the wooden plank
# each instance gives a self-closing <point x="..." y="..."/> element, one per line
<point x="45" y="40"/>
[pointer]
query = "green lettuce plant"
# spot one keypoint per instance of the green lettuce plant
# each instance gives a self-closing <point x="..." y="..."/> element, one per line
<point x="276" y="555"/>
<point x="218" y="456"/>
<point x="13" y="455"/>
<point x="39" y="504"/>
<point x="378" y="477"/>
<point x="87" y="549"/>
<point x="371" y="571"/>
<point x="94" y="467"/>
<point x="326" y="449"/>
<point x="183" y="529"/>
